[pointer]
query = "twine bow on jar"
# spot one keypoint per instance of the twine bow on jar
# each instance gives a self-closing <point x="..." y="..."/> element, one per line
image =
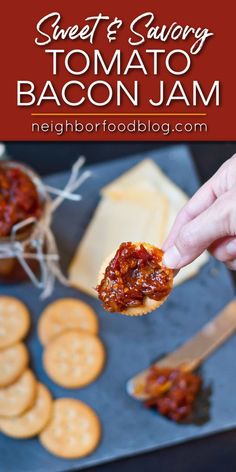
<point x="41" y="238"/>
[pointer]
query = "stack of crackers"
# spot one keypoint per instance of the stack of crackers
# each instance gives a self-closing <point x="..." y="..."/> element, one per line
<point x="141" y="205"/>
<point x="74" y="356"/>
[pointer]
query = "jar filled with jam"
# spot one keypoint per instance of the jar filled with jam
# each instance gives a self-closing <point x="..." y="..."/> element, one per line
<point x="23" y="203"/>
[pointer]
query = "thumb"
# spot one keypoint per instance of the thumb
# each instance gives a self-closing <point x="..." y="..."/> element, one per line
<point x="218" y="221"/>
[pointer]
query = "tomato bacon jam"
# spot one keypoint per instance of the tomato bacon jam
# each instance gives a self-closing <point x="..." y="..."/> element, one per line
<point x="172" y="391"/>
<point x="133" y="274"/>
<point x="18" y="198"/>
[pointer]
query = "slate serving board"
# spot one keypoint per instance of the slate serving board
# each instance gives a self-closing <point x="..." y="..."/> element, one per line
<point x="131" y="344"/>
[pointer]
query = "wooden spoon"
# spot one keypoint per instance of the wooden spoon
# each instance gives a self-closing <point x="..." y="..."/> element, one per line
<point x="192" y="353"/>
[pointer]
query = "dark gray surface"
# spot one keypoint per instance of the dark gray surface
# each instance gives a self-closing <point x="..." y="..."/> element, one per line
<point x="132" y="344"/>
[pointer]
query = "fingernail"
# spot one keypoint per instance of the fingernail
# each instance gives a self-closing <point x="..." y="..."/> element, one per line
<point x="231" y="265"/>
<point x="231" y="248"/>
<point x="172" y="257"/>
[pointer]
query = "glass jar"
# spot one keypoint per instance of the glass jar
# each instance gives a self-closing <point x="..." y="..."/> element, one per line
<point x="11" y="269"/>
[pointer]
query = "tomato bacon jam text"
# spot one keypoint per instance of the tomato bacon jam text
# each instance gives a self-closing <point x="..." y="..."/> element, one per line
<point x="133" y="274"/>
<point x="19" y="199"/>
<point x="172" y="391"/>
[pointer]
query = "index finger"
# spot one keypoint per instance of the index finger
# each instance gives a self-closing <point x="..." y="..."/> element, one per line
<point x="200" y="202"/>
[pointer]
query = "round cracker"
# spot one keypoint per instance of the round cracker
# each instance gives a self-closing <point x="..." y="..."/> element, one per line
<point x="14" y="321"/>
<point x="18" y="397"/>
<point x="66" y="314"/>
<point x="33" y="420"/>
<point x="74" y="359"/>
<point x="13" y="361"/>
<point x="148" y="304"/>
<point x="74" y="430"/>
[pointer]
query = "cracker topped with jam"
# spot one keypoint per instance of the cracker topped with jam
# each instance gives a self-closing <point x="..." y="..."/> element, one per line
<point x="134" y="281"/>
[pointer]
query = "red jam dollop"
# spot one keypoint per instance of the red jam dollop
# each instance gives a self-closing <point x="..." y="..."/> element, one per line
<point x="134" y="273"/>
<point x="18" y="198"/>
<point x="173" y="391"/>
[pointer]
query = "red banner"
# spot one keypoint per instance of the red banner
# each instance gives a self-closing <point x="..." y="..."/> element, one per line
<point x="118" y="71"/>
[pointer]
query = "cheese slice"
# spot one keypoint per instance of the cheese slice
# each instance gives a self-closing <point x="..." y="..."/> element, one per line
<point x="134" y="218"/>
<point x="140" y="205"/>
<point x="146" y="175"/>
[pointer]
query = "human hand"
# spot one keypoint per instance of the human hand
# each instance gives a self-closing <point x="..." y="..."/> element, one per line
<point x="207" y="221"/>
